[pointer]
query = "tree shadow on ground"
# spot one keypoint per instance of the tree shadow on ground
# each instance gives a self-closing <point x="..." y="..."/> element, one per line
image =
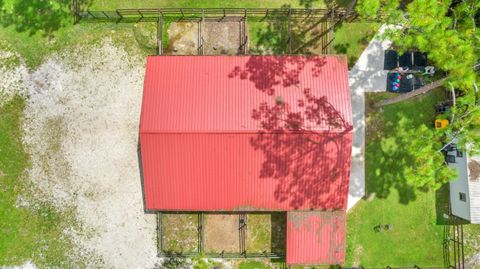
<point x="32" y="16"/>
<point x="278" y="232"/>
<point x="389" y="138"/>
<point x="306" y="144"/>
<point x="442" y="204"/>
<point x="280" y="33"/>
<point x="329" y="4"/>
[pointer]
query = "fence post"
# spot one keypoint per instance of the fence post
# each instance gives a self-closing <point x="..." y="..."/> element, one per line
<point x="160" y="35"/>
<point x="120" y="17"/>
<point x="289" y="29"/>
<point x="159" y="234"/>
<point x="332" y="30"/>
<point x="266" y="15"/>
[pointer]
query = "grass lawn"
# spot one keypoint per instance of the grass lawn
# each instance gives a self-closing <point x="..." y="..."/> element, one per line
<point x="253" y="265"/>
<point x="112" y="5"/>
<point x="352" y="38"/>
<point x="271" y="37"/>
<point x="32" y="233"/>
<point x="35" y="48"/>
<point x="416" y="215"/>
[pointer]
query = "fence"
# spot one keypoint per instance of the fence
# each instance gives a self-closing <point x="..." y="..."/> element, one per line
<point x="243" y="253"/>
<point x="332" y="17"/>
<point x="152" y="14"/>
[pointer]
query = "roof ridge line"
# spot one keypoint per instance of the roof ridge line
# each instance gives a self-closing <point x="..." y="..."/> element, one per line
<point x="243" y="132"/>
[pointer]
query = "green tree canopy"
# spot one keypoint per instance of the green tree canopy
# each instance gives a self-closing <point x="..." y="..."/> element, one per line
<point x="447" y="31"/>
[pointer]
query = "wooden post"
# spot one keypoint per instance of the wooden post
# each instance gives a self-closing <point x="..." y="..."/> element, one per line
<point x="200" y="33"/>
<point x="332" y="30"/>
<point x="289" y="32"/>
<point x="160" y="35"/>
<point x="266" y="15"/>
<point x="201" y="245"/>
<point x="120" y="17"/>
<point x="159" y="234"/>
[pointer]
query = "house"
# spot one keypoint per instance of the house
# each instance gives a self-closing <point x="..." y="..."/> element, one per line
<point x="465" y="190"/>
<point x="249" y="134"/>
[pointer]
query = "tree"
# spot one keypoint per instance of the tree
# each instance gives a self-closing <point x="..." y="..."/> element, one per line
<point x="36" y="15"/>
<point x="447" y="32"/>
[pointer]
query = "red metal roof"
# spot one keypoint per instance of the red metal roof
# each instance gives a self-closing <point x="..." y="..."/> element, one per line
<point x="246" y="133"/>
<point x="316" y="237"/>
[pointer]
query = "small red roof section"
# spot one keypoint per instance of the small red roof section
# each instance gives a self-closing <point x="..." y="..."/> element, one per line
<point x="246" y="133"/>
<point x="316" y="237"/>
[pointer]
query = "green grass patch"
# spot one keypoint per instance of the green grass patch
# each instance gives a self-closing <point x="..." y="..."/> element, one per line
<point x="35" y="48"/>
<point x="33" y="232"/>
<point x="416" y="237"/>
<point x="253" y="265"/>
<point x="180" y="232"/>
<point x="352" y="38"/>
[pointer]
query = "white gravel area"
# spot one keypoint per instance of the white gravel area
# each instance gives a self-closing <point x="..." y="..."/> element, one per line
<point x="81" y="129"/>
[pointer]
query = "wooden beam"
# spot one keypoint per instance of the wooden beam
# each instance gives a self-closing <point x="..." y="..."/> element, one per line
<point x="411" y="94"/>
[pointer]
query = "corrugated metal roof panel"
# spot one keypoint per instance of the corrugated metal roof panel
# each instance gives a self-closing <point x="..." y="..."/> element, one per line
<point x="246" y="133"/>
<point x="316" y="237"/>
<point x="219" y="93"/>
<point x="245" y="172"/>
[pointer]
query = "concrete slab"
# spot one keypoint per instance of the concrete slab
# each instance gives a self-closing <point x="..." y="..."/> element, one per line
<point x="366" y="76"/>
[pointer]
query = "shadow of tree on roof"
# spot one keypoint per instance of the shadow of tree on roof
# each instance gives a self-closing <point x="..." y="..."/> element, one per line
<point x="306" y="145"/>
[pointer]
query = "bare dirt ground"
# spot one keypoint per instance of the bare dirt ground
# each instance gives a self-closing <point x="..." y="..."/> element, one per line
<point x="220" y="38"/>
<point x="221" y="233"/>
<point x="182" y="38"/>
<point x="81" y="130"/>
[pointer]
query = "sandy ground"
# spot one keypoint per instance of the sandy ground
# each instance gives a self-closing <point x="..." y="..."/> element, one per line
<point x="221" y="38"/>
<point x="81" y="128"/>
<point x="182" y="38"/>
<point x="221" y="233"/>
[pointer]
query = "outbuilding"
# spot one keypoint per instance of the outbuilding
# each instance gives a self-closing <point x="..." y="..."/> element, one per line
<point x="249" y="134"/>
